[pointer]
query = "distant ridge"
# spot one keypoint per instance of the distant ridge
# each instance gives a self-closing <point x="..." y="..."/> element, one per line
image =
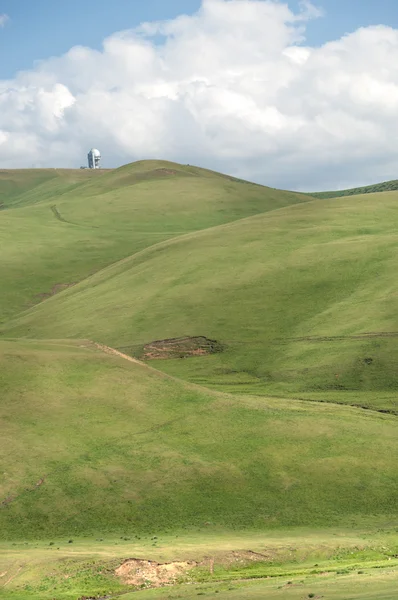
<point x="385" y="186"/>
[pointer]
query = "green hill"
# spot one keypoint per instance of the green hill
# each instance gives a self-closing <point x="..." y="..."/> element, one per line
<point x="19" y="187"/>
<point x="93" y="444"/>
<point x="302" y="299"/>
<point x="385" y="186"/>
<point x="63" y="232"/>
<point x="257" y="316"/>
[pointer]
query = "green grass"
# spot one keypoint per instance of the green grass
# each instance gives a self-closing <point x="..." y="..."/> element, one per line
<point x="298" y="562"/>
<point x="386" y="186"/>
<point x="20" y="187"/>
<point x="284" y="443"/>
<point x="374" y="586"/>
<point x="66" y="225"/>
<point x="303" y="299"/>
<point x="121" y="447"/>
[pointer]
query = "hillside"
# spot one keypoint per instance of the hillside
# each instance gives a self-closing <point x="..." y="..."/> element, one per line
<point x="385" y="186"/>
<point x="196" y="368"/>
<point x="92" y="444"/>
<point x="59" y="232"/>
<point x="19" y="187"/>
<point x="302" y="300"/>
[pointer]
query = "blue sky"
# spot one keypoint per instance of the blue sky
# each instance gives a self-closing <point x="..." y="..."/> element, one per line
<point x="226" y="90"/>
<point x="38" y="29"/>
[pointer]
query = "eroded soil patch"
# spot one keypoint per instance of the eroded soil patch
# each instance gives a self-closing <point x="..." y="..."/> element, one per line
<point x="181" y="348"/>
<point x="58" y="287"/>
<point x="148" y="573"/>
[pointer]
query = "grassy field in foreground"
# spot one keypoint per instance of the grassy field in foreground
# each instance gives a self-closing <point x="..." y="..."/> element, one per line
<point x="303" y="300"/>
<point x="63" y="226"/>
<point x="246" y="564"/>
<point x="92" y="443"/>
<point x="380" y="585"/>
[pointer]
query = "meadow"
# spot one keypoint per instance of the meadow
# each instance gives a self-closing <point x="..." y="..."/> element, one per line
<point x="268" y="462"/>
<point x="317" y="283"/>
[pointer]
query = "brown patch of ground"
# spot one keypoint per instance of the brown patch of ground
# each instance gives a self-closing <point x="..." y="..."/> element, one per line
<point x="181" y="348"/>
<point x="165" y="171"/>
<point x="148" y="573"/>
<point x="58" y="287"/>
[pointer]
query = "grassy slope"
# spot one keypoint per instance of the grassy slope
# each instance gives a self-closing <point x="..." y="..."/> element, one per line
<point x="19" y="187"/>
<point x="386" y="186"/>
<point x="62" y="230"/>
<point x="164" y="456"/>
<point x="290" y="293"/>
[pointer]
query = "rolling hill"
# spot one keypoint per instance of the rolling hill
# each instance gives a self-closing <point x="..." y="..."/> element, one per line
<point x="192" y="362"/>
<point x="57" y="233"/>
<point x="94" y="444"/>
<point x="302" y="299"/>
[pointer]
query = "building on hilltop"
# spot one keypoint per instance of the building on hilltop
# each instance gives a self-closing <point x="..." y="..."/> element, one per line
<point x="94" y="158"/>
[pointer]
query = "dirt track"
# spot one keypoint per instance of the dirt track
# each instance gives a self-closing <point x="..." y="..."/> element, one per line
<point x="113" y="352"/>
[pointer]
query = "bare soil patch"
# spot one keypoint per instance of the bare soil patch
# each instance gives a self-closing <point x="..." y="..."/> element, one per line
<point x="163" y="171"/>
<point x="181" y="348"/>
<point x="58" y="287"/>
<point x="148" y="573"/>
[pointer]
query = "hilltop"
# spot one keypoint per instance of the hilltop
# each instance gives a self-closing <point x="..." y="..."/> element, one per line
<point x="58" y="232"/>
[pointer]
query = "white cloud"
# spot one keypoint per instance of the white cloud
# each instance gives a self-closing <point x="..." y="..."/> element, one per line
<point x="232" y="87"/>
<point x="3" y="19"/>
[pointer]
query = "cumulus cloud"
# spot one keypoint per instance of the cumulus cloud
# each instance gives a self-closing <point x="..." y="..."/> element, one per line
<point x="233" y="87"/>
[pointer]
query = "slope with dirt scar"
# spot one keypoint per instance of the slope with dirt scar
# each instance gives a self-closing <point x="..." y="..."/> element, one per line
<point x="67" y="231"/>
<point x="96" y="444"/>
<point x="288" y="294"/>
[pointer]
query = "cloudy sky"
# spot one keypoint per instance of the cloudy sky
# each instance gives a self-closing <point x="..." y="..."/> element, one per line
<point x="296" y="95"/>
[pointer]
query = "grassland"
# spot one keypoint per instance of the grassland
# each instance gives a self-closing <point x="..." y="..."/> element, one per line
<point x="62" y="228"/>
<point x="297" y="564"/>
<point x="303" y="299"/>
<point x="263" y="447"/>
<point x="386" y="186"/>
<point x="105" y="445"/>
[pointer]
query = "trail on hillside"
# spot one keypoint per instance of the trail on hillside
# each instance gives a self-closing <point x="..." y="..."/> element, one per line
<point x="114" y="352"/>
<point x="59" y="217"/>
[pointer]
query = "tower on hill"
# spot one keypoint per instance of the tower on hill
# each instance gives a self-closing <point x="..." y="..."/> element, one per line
<point x="94" y="158"/>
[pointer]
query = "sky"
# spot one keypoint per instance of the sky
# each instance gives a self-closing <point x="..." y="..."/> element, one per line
<point x="294" y="94"/>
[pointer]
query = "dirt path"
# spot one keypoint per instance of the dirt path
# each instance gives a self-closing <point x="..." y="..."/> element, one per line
<point x="12" y="577"/>
<point x="113" y="352"/>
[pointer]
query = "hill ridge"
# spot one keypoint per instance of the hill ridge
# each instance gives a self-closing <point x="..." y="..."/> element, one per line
<point x="112" y="221"/>
<point x="384" y="186"/>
